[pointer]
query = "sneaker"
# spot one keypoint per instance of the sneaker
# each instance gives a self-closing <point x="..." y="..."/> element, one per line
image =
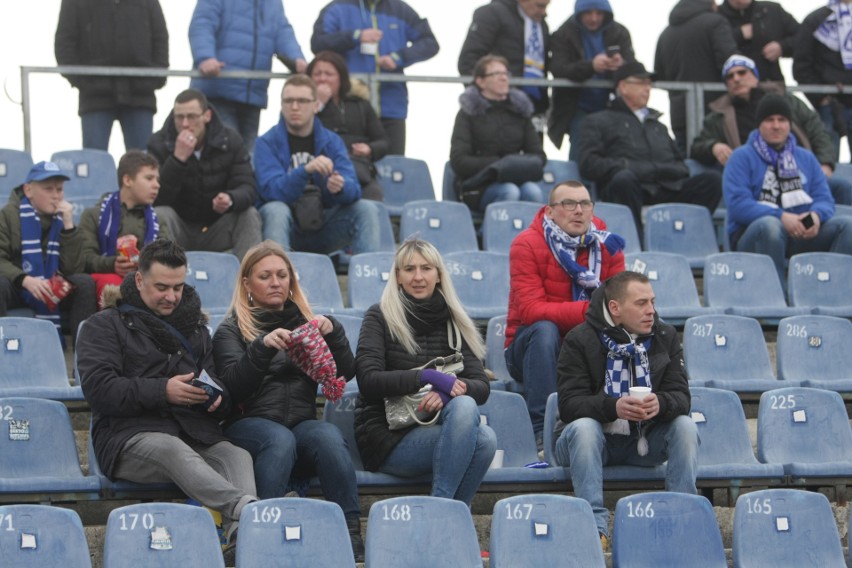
<point x="604" y="542"/>
<point x="353" y="525"/>
<point x="229" y="554"/>
<point x="291" y="494"/>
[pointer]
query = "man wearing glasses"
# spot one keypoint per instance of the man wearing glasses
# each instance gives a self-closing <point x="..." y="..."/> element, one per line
<point x="207" y="187"/>
<point x="555" y="265"/>
<point x="307" y="184"/>
<point x="629" y="154"/>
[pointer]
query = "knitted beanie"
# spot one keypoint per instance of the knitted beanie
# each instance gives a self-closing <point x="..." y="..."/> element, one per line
<point x="773" y="104"/>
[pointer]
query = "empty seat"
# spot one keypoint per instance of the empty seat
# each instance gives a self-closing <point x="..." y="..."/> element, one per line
<point x="503" y="221"/>
<point x="352" y="326"/>
<point x="820" y="281"/>
<point x="785" y="527"/>
<point x="727" y="352"/>
<point x="14" y="167"/>
<point x="293" y="532"/>
<point x="39" y="536"/>
<point x="813" y="350"/>
<point x="39" y="452"/>
<point x="481" y="279"/>
<point x="556" y="171"/>
<point x="92" y="172"/>
<point x="213" y="275"/>
<point x="556" y="531"/>
<point x="666" y="529"/>
<point x="807" y="431"/>
<point x="318" y="280"/>
<point x="445" y="224"/>
<point x="682" y="229"/>
<point x="32" y="362"/>
<point x="619" y="220"/>
<point x="369" y="273"/>
<point x="167" y="535"/>
<point x="746" y="284"/>
<point x="421" y="532"/>
<point x="404" y="179"/>
<point x="495" y="358"/>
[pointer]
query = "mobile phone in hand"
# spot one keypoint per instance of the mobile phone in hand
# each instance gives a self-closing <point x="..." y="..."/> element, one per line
<point x="808" y="221"/>
<point x="613" y="50"/>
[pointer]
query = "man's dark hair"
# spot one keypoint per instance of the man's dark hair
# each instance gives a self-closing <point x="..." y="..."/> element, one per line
<point x="193" y="95"/>
<point x="616" y="287"/>
<point x="335" y="60"/>
<point x="162" y="251"/>
<point x="133" y="161"/>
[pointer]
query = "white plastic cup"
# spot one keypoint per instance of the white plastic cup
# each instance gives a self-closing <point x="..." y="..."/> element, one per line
<point x="369" y="48"/>
<point x="497" y="462"/>
<point x="640" y="392"/>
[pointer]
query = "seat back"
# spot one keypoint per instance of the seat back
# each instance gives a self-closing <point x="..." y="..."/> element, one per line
<point x="682" y="229"/>
<point x="168" y="535"/>
<point x="92" y="172"/>
<point x="14" y="167"/>
<point x="556" y="171"/>
<point x="404" y="179"/>
<point x="342" y="415"/>
<point x="785" y="527"/>
<point x="506" y="413"/>
<point x="495" y="337"/>
<point x="725" y="347"/>
<point x="666" y="529"/>
<point x="802" y="425"/>
<point x="421" y="532"/>
<point x="549" y="437"/>
<point x="293" y="532"/>
<point x="741" y="279"/>
<point x="814" y="348"/>
<point x="80" y="203"/>
<point x="556" y="531"/>
<point x="31" y="354"/>
<point x="318" y="280"/>
<point x="38" y="536"/>
<point x="722" y="427"/>
<point x="352" y="327"/>
<point x="213" y="322"/>
<point x="670" y="276"/>
<point x="481" y="279"/>
<point x="503" y="221"/>
<point x="445" y="224"/>
<point x="448" y="180"/>
<point x="619" y="220"/>
<point x="213" y="275"/>
<point x="819" y="279"/>
<point x="369" y="273"/>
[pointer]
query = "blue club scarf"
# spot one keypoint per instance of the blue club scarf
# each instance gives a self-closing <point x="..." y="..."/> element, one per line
<point x="835" y="32"/>
<point x="533" y="55"/>
<point x="38" y="263"/>
<point x="564" y="248"/>
<point x="623" y="361"/>
<point x="110" y="219"/>
<point x="782" y="182"/>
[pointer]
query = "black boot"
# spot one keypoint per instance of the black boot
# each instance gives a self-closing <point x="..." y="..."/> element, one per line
<point x="354" y="526"/>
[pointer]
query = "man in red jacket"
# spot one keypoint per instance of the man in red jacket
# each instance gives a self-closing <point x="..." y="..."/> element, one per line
<point x="555" y="265"/>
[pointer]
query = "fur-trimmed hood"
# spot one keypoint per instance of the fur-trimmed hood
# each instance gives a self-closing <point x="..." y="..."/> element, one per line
<point x="473" y="103"/>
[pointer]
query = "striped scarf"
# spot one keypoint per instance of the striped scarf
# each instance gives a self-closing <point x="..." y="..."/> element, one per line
<point x="36" y="262"/>
<point x="110" y="219"/>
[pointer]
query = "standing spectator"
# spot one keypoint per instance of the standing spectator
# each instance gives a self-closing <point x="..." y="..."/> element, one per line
<point x="114" y="34"/>
<point x="345" y="110"/>
<point x="495" y="151"/>
<point x="308" y="186"/>
<point x="237" y="35"/>
<point x="764" y="32"/>
<point x="378" y="36"/>
<point x="517" y="30"/>
<point x="589" y="45"/>
<point x="823" y="55"/>
<point x="207" y="186"/>
<point x="692" y="48"/>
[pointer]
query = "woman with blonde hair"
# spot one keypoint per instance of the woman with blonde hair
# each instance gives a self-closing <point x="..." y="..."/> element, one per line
<point x="274" y="400"/>
<point x="418" y="318"/>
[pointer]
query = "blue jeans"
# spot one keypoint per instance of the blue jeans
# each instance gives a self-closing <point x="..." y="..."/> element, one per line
<point x="529" y="191"/>
<point x="137" y="124"/>
<point x="531" y="359"/>
<point x="457" y="451"/>
<point x="312" y="447"/>
<point x="356" y="224"/>
<point x="574" y="134"/>
<point x="584" y="446"/>
<point x="826" y="113"/>
<point x="767" y="235"/>
<point x="242" y="117"/>
<point x="841" y="190"/>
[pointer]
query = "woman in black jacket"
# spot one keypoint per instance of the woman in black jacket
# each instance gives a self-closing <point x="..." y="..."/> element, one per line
<point x="274" y="400"/>
<point x="410" y="326"/>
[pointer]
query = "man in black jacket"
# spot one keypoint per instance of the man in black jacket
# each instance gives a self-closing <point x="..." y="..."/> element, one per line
<point x="138" y="363"/>
<point x="622" y="345"/>
<point x="629" y="154"/>
<point x="207" y="185"/>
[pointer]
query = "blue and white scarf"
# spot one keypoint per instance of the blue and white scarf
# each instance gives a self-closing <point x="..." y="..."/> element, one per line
<point x="38" y="263"/>
<point x="110" y="219"/>
<point x="564" y="248"/>
<point x="533" y="55"/>
<point x="835" y="32"/>
<point x="626" y="362"/>
<point x="782" y="182"/>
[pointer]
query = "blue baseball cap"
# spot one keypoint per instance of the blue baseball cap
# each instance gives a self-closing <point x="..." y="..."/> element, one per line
<point x="45" y="170"/>
<point x="737" y="60"/>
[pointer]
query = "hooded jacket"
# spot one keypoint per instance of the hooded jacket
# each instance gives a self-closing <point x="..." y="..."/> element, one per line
<point x="581" y="368"/>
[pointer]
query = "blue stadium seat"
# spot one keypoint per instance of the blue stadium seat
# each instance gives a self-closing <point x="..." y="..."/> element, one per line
<point x="167" y="535"/>
<point x="213" y="275"/>
<point x="421" y="532"/>
<point x="666" y="529"/>
<point x="820" y="281"/>
<point x="214" y="321"/>
<point x="785" y="527"/>
<point x="481" y="279"/>
<point x="503" y="221"/>
<point x="813" y="350"/>
<point x="746" y="284"/>
<point x="14" y="166"/>
<point x="556" y="531"/>
<point x="807" y="431"/>
<point x="619" y="220"/>
<point x="352" y="326"/>
<point x="403" y="180"/>
<point x="448" y="180"/>
<point x="318" y="280"/>
<point x="40" y="461"/>
<point x="92" y="172"/>
<point x="39" y="536"/>
<point x="369" y="273"/>
<point x="506" y="413"/>
<point x="495" y="359"/>
<point x="682" y="229"/>
<point x="726" y="458"/>
<point x="295" y="533"/>
<point x="80" y="203"/>
<point x="445" y="224"/>
<point x="556" y="171"/>
<point x="674" y="285"/>
<point x="32" y="362"/>
<point x="727" y="352"/>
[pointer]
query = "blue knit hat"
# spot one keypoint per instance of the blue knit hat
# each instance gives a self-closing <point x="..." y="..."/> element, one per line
<point x="737" y="60"/>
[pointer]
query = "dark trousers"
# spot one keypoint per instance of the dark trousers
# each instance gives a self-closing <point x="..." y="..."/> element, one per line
<point x="395" y="131"/>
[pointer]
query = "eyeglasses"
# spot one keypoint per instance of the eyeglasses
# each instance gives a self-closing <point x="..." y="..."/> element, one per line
<point x="498" y="74"/>
<point x="192" y="117"/>
<point x="736" y="73"/>
<point x="296" y="102"/>
<point x="571" y="204"/>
